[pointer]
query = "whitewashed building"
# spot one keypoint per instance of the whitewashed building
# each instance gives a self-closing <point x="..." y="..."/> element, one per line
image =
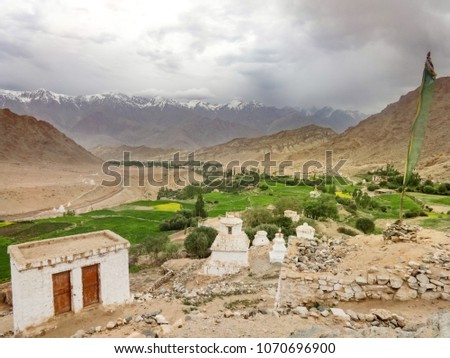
<point x="229" y="251"/>
<point x="276" y="255"/>
<point x="55" y="276"/>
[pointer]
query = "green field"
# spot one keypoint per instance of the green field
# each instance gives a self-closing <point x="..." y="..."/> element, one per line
<point x="219" y="203"/>
<point x="133" y="224"/>
<point x="430" y="199"/>
<point x="140" y="220"/>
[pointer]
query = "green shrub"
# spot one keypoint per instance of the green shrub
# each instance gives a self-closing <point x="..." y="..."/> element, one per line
<point x="263" y="186"/>
<point x="365" y="225"/>
<point x="256" y="216"/>
<point x="372" y="187"/>
<point x="347" y="231"/>
<point x="428" y="189"/>
<point x="177" y="222"/>
<point x="199" y="241"/>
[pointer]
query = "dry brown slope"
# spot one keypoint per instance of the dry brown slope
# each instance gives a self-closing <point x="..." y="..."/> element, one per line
<point x="25" y="139"/>
<point x="142" y="153"/>
<point x="280" y="144"/>
<point x="384" y="137"/>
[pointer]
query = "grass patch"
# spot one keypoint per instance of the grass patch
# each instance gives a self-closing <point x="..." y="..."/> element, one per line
<point x="430" y="199"/>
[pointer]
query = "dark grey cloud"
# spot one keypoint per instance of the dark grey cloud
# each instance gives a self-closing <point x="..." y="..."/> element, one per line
<point x="348" y="54"/>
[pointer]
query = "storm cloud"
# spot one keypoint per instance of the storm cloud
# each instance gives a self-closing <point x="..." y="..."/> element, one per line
<point x="346" y="54"/>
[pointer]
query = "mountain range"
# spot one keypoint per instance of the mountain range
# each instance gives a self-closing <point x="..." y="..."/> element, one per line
<point x="115" y="119"/>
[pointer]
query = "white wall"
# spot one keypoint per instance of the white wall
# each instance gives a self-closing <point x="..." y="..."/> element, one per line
<point x="238" y="257"/>
<point x="33" y="289"/>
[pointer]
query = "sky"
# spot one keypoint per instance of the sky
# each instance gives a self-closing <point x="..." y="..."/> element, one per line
<point x="358" y="54"/>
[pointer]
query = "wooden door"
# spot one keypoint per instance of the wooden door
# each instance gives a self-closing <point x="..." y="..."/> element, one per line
<point x="90" y="285"/>
<point x="62" y="292"/>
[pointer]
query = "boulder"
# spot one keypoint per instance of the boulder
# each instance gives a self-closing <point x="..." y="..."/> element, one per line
<point x="405" y="294"/>
<point x="382" y="314"/>
<point x="79" y="334"/>
<point x="396" y="282"/>
<point x="301" y="311"/>
<point x="160" y="319"/>
<point x="340" y="314"/>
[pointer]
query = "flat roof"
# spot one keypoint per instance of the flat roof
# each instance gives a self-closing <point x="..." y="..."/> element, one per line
<point x="49" y="252"/>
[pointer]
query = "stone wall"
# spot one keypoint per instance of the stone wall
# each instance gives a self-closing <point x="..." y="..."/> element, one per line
<point x="299" y="284"/>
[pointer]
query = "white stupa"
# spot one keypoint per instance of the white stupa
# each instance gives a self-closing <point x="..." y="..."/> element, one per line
<point x="278" y="251"/>
<point x="305" y="232"/>
<point x="229" y="251"/>
<point x="261" y="239"/>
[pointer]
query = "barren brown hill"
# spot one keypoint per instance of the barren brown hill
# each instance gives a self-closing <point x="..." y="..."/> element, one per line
<point x="25" y="139"/>
<point x="281" y="145"/>
<point x="141" y="153"/>
<point x="384" y="137"/>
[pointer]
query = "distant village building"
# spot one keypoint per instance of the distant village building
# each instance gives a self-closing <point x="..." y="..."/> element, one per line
<point x="276" y="255"/>
<point x="382" y="191"/>
<point x="229" y="251"/>
<point x="66" y="274"/>
<point x="260" y="238"/>
<point x="292" y="214"/>
<point x="305" y="232"/>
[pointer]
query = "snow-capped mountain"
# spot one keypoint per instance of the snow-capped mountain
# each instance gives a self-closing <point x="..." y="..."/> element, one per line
<point x="116" y="118"/>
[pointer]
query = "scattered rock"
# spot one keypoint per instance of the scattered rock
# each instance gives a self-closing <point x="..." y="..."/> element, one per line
<point x="136" y="334"/>
<point x="160" y="319"/>
<point x="382" y="314"/>
<point x="353" y="315"/>
<point x="396" y="282"/>
<point x="110" y="325"/>
<point x="302" y="311"/>
<point x="79" y="334"/>
<point x="405" y="294"/>
<point x="340" y="314"/>
<point x="149" y="333"/>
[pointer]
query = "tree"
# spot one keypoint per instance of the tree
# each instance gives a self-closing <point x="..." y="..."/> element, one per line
<point x="322" y="207"/>
<point x="199" y="241"/>
<point x="199" y="209"/>
<point x="287" y="203"/>
<point x="256" y="216"/>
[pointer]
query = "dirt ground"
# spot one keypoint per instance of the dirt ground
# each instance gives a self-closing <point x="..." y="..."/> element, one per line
<point x="32" y="192"/>
<point x="211" y="319"/>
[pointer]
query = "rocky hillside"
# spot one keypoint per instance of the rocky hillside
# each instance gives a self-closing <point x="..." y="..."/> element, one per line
<point x="141" y="153"/>
<point x="281" y="144"/>
<point x="25" y="139"/>
<point x="384" y="137"/>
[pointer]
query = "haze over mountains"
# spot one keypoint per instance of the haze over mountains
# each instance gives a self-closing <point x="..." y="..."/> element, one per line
<point x="117" y="119"/>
